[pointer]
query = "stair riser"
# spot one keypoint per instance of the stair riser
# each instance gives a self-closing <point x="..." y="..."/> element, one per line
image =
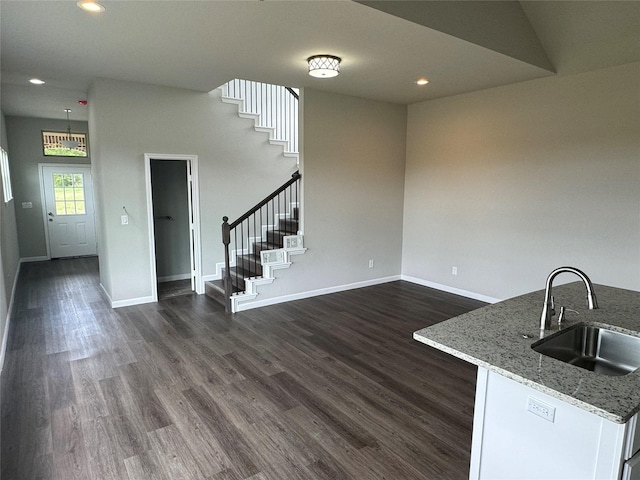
<point x="259" y="247"/>
<point x="214" y="293"/>
<point x="276" y="237"/>
<point x="237" y="279"/>
<point x="249" y="266"/>
<point x="288" y="225"/>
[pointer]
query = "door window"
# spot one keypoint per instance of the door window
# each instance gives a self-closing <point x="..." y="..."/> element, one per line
<point x="69" y="193"/>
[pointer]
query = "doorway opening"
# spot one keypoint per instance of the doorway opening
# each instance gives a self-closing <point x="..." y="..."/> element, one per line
<point x="174" y="232"/>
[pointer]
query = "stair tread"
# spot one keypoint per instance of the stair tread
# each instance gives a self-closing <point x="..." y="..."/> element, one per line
<point x="219" y="285"/>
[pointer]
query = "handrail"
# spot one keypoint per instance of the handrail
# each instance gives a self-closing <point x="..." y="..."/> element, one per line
<point x="293" y="92"/>
<point x="294" y="178"/>
<point x="254" y="218"/>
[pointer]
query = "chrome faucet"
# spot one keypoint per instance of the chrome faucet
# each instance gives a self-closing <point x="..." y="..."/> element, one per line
<point x="548" y="309"/>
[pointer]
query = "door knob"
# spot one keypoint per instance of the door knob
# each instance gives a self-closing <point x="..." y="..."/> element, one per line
<point x="50" y="214"/>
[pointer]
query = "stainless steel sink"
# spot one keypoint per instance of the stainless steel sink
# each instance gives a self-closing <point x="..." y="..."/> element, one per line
<point x="594" y="348"/>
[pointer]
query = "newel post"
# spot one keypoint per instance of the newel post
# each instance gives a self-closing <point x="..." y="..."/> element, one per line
<point x="226" y="240"/>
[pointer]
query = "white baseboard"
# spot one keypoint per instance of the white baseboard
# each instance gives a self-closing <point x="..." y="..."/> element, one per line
<point x="448" y="289"/>
<point x="34" y="259"/>
<point x="315" y="293"/>
<point x="125" y="303"/>
<point x="105" y="294"/>
<point x="173" y="278"/>
<point x="132" y="301"/>
<point x="5" y="336"/>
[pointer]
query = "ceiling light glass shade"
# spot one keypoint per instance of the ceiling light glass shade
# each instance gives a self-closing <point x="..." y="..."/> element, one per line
<point x="36" y="81"/>
<point x="90" y="6"/>
<point x="69" y="142"/>
<point x="324" y="66"/>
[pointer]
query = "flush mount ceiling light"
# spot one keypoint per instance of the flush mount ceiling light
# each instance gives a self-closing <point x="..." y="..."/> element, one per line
<point x="422" y="81"/>
<point x="324" y="66"/>
<point x="36" y="81"/>
<point x="90" y="6"/>
<point x="69" y="143"/>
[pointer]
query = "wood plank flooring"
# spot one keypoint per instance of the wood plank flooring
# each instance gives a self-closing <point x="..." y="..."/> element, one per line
<point x="174" y="288"/>
<point x="331" y="387"/>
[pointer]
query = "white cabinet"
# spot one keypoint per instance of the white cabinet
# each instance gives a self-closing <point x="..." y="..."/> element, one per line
<point x="631" y="469"/>
<point x="522" y="433"/>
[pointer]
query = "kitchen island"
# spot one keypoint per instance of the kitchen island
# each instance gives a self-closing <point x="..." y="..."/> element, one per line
<point x="538" y="417"/>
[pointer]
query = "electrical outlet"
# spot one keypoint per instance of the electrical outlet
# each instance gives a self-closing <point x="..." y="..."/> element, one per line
<point x="454" y="270"/>
<point x="541" y="409"/>
<point x="124" y="219"/>
<point x="371" y="263"/>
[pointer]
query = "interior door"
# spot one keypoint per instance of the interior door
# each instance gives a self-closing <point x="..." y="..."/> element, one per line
<point x="192" y="247"/>
<point x="69" y="210"/>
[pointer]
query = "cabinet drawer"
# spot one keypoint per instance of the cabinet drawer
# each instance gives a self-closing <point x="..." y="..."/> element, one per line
<point x="631" y="470"/>
<point x="633" y="438"/>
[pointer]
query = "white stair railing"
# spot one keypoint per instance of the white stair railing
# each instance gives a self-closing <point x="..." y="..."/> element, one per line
<point x="275" y="107"/>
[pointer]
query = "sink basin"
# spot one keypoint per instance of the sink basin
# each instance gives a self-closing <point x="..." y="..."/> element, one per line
<point x="594" y="348"/>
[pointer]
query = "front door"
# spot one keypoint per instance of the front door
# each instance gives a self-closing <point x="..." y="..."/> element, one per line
<point x="69" y="210"/>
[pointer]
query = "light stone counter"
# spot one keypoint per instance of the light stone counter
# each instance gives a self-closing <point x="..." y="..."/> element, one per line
<point x="493" y="337"/>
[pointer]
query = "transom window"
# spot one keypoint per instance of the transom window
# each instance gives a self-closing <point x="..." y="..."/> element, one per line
<point x="64" y="144"/>
<point x="68" y="189"/>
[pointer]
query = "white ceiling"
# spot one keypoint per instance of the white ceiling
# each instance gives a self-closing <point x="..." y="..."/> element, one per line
<point x="201" y="44"/>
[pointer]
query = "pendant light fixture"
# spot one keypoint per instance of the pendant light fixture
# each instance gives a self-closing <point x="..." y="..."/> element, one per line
<point x="69" y="142"/>
<point x="324" y="66"/>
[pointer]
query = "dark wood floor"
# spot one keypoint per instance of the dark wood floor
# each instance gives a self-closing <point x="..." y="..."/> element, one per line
<point x="174" y="289"/>
<point x="331" y="387"/>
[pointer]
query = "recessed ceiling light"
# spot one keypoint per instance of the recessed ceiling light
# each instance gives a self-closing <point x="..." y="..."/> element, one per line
<point x="422" y="81"/>
<point x="36" y="81"/>
<point x="90" y="6"/>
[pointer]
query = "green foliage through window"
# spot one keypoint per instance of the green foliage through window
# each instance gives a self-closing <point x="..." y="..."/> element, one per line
<point x="52" y="144"/>
<point x="68" y="190"/>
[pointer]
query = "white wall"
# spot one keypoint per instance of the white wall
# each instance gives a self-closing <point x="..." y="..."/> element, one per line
<point x="25" y="138"/>
<point x="353" y="177"/>
<point x="508" y="183"/>
<point x="9" y="254"/>
<point x="127" y="120"/>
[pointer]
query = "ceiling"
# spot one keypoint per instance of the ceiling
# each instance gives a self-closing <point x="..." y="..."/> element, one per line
<point x="385" y="45"/>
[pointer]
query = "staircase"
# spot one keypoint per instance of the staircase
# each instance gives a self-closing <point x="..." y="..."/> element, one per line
<point x="273" y="108"/>
<point x="261" y="241"/>
<point x="266" y="237"/>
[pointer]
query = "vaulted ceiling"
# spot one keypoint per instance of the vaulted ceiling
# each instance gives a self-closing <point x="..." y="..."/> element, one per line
<point x="460" y="46"/>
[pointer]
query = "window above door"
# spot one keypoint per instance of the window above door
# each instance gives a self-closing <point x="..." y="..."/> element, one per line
<point x="52" y="144"/>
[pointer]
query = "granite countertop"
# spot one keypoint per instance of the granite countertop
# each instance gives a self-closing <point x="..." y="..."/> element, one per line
<point x="493" y="337"/>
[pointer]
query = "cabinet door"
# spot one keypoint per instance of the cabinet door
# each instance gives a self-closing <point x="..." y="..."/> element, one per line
<point x="511" y="442"/>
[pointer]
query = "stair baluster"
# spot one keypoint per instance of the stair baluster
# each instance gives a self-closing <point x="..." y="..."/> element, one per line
<point x="263" y="227"/>
<point x="275" y="106"/>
